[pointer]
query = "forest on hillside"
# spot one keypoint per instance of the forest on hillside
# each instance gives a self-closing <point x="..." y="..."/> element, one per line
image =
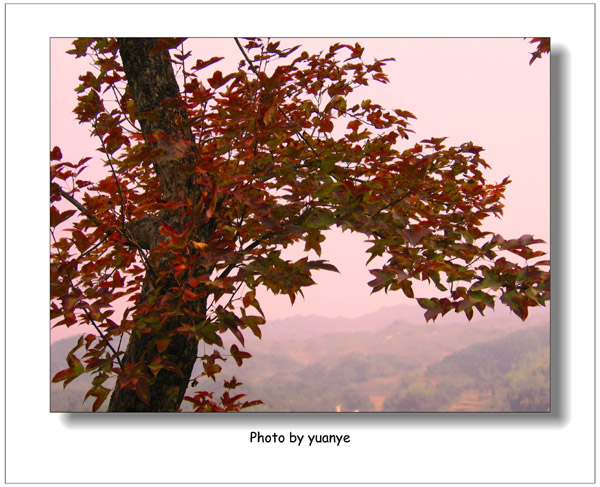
<point x="508" y="374"/>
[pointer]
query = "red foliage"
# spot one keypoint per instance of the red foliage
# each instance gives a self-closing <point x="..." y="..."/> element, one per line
<point x="543" y="47"/>
<point x="279" y="157"/>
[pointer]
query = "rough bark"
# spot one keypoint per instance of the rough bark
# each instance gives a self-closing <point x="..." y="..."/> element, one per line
<point x="155" y="92"/>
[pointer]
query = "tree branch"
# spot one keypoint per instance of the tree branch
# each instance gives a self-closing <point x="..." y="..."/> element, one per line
<point x="81" y="208"/>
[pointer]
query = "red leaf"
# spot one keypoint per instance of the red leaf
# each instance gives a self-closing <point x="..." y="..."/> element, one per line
<point x="231" y="384"/>
<point x="322" y="264"/>
<point x="172" y="367"/>
<point x="253" y="323"/>
<point x="55" y="154"/>
<point x="354" y="125"/>
<point x="414" y="237"/>
<point x="167" y="43"/>
<point x="249" y="404"/>
<point x="167" y="229"/>
<point x="326" y="126"/>
<point x="62" y="375"/>
<point x="203" y="64"/>
<point x="75" y="370"/>
<point x="404" y="114"/>
<point x="56" y="218"/>
<point x="162" y="344"/>
<point x="542" y="48"/>
<point x="216" y="80"/>
<point x="249" y="298"/>
<point x="381" y="77"/>
<point x="237" y="333"/>
<point x="189" y="296"/>
<point x="100" y="393"/>
<point x="213" y="202"/>
<point x="142" y="389"/>
<point x="231" y="322"/>
<point x="529" y="240"/>
<point x="238" y="355"/>
<point x="171" y="149"/>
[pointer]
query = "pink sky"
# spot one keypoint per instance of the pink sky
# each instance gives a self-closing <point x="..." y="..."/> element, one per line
<point x="468" y="89"/>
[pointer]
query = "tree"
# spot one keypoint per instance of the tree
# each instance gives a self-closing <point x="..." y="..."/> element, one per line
<point x="206" y="184"/>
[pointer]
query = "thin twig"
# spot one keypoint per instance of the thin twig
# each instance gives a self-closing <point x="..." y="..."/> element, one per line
<point x="112" y="169"/>
<point x="392" y="203"/>
<point x="109" y="232"/>
<point x="91" y="249"/>
<point x="90" y="318"/>
<point x="290" y="122"/>
<point x="93" y="322"/>
<point x="82" y="208"/>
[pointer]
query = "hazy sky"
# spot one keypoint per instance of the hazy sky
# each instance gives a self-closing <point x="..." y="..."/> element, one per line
<point x="467" y="89"/>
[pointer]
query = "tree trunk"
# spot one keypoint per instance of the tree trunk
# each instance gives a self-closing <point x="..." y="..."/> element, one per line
<point x="154" y="89"/>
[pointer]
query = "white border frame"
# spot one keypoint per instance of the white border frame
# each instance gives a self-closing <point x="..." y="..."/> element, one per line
<point x="43" y="447"/>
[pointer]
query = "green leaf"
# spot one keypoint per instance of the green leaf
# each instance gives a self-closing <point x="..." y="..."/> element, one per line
<point x="434" y="307"/>
<point x="231" y="322"/>
<point x="480" y="297"/>
<point x="516" y="302"/>
<point x="81" y="46"/>
<point x="327" y="165"/>
<point x="406" y="287"/>
<point x="313" y="241"/>
<point x="321" y="219"/>
<point x="253" y="323"/>
<point x="211" y="369"/>
<point x="383" y="278"/>
<point x="490" y="281"/>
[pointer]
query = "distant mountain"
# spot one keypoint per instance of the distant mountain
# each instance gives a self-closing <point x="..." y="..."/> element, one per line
<point x="303" y="327"/>
<point x="398" y="329"/>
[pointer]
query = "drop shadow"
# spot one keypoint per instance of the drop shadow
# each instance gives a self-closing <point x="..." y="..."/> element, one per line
<point x="559" y="211"/>
<point x="559" y="242"/>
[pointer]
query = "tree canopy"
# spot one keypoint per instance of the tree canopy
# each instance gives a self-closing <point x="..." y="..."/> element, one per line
<point x="209" y="179"/>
